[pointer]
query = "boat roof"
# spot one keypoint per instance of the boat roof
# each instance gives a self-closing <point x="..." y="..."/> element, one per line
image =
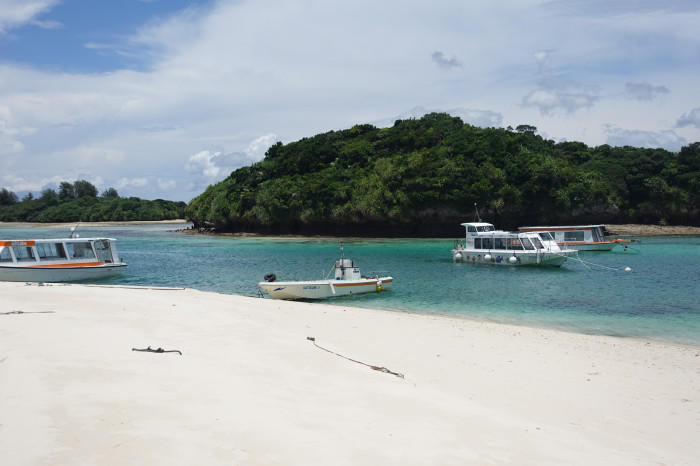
<point x="10" y="242"/>
<point x="562" y="227"/>
<point x="477" y="224"/>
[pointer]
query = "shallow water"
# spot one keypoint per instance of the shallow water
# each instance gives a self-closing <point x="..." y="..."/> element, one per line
<point x="659" y="298"/>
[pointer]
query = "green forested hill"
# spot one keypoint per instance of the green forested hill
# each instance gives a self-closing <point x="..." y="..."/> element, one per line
<point x="422" y="177"/>
<point x="79" y="202"/>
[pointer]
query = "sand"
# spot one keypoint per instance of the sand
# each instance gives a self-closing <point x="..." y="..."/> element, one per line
<point x="250" y="388"/>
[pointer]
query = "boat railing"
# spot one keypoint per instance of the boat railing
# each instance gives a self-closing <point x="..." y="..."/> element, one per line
<point x="375" y="274"/>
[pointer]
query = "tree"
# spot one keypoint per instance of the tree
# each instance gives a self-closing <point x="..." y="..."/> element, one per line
<point x="526" y="129"/>
<point x="28" y="197"/>
<point x="66" y="190"/>
<point x="84" y="188"/>
<point x="110" y="193"/>
<point x="7" y="197"/>
<point x="48" y="194"/>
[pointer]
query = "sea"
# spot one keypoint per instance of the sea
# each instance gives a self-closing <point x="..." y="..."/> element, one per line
<point x="658" y="298"/>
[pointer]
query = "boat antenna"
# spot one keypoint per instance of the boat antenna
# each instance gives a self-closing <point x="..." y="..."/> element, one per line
<point x="72" y="230"/>
<point x="478" y="218"/>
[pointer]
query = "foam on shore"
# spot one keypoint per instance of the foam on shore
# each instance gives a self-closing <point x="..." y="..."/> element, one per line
<point x="250" y="388"/>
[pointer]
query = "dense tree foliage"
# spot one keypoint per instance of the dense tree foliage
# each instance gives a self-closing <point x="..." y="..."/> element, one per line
<point x="79" y="202"/>
<point x="422" y="177"/>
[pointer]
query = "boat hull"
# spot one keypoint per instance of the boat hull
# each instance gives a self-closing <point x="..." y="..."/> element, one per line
<point x="581" y="246"/>
<point x="550" y="259"/>
<point x="59" y="274"/>
<point x="324" y="289"/>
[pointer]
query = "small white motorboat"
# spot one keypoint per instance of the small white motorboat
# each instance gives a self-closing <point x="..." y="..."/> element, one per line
<point x="347" y="281"/>
<point x="59" y="260"/>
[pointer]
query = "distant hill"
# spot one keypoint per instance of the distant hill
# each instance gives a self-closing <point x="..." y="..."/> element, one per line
<point x="79" y="202"/>
<point x="422" y="177"/>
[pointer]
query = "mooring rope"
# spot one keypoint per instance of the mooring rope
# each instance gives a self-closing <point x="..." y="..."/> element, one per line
<point x="26" y="312"/>
<point x="376" y="368"/>
<point x="593" y="264"/>
<point x="159" y="350"/>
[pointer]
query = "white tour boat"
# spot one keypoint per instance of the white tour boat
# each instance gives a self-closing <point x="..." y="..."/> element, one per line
<point x="580" y="237"/>
<point x="347" y="281"/>
<point x="485" y="245"/>
<point x="59" y="260"/>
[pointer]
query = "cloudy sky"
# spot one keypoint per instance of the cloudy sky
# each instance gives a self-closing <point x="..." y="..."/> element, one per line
<point x="160" y="98"/>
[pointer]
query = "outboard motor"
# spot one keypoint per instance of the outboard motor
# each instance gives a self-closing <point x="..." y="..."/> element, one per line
<point x="270" y="277"/>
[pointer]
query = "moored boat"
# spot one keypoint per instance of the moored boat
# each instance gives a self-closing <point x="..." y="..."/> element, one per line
<point x="580" y="237"/>
<point x="59" y="260"/>
<point x="347" y="280"/>
<point x="483" y="244"/>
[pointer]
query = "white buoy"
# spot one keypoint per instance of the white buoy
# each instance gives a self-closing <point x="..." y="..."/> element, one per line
<point x="458" y="256"/>
<point x="628" y="269"/>
<point x="487" y="257"/>
<point x="513" y="259"/>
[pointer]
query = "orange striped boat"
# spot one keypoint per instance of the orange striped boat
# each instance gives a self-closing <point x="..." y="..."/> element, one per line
<point x="59" y="260"/>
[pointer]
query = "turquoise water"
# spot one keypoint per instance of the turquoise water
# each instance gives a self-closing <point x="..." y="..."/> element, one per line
<point x="658" y="299"/>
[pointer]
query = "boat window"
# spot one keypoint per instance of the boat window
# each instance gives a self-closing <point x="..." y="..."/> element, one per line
<point x="5" y="255"/>
<point x="545" y="235"/>
<point x="538" y="243"/>
<point x="104" y="253"/>
<point x="485" y="228"/>
<point x="516" y="244"/>
<point x="24" y="253"/>
<point x="573" y="236"/>
<point x="487" y="243"/>
<point x="48" y="251"/>
<point x="81" y="250"/>
<point x="477" y="243"/>
<point x="471" y="229"/>
<point x="499" y="243"/>
<point x="526" y="243"/>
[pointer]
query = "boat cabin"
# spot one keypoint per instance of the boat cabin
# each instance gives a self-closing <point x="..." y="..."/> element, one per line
<point x="484" y="236"/>
<point x="345" y="270"/>
<point x="572" y="234"/>
<point x="57" y="252"/>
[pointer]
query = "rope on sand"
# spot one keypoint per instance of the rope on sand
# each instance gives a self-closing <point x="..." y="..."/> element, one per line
<point x="376" y="368"/>
<point x="26" y="312"/>
<point x="159" y="350"/>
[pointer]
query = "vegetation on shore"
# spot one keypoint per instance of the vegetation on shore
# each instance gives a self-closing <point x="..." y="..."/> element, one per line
<point x="422" y="177"/>
<point x="79" y="201"/>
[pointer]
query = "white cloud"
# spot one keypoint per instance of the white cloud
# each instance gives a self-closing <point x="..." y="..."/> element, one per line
<point x="691" y="118"/>
<point x="666" y="139"/>
<point x="443" y="61"/>
<point x="644" y="91"/>
<point x="131" y="183"/>
<point x="258" y="146"/>
<point x="202" y="163"/>
<point x="166" y="185"/>
<point x="16" y="13"/>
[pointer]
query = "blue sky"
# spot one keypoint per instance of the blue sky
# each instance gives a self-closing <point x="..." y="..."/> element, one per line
<point x="161" y="98"/>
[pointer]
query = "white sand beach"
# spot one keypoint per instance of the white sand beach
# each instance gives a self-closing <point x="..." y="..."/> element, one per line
<point x="249" y="388"/>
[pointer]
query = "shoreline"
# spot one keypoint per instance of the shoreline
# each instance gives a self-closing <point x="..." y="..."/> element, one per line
<point x="615" y="229"/>
<point x="95" y="224"/>
<point x="624" y="230"/>
<point x="250" y="388"/>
